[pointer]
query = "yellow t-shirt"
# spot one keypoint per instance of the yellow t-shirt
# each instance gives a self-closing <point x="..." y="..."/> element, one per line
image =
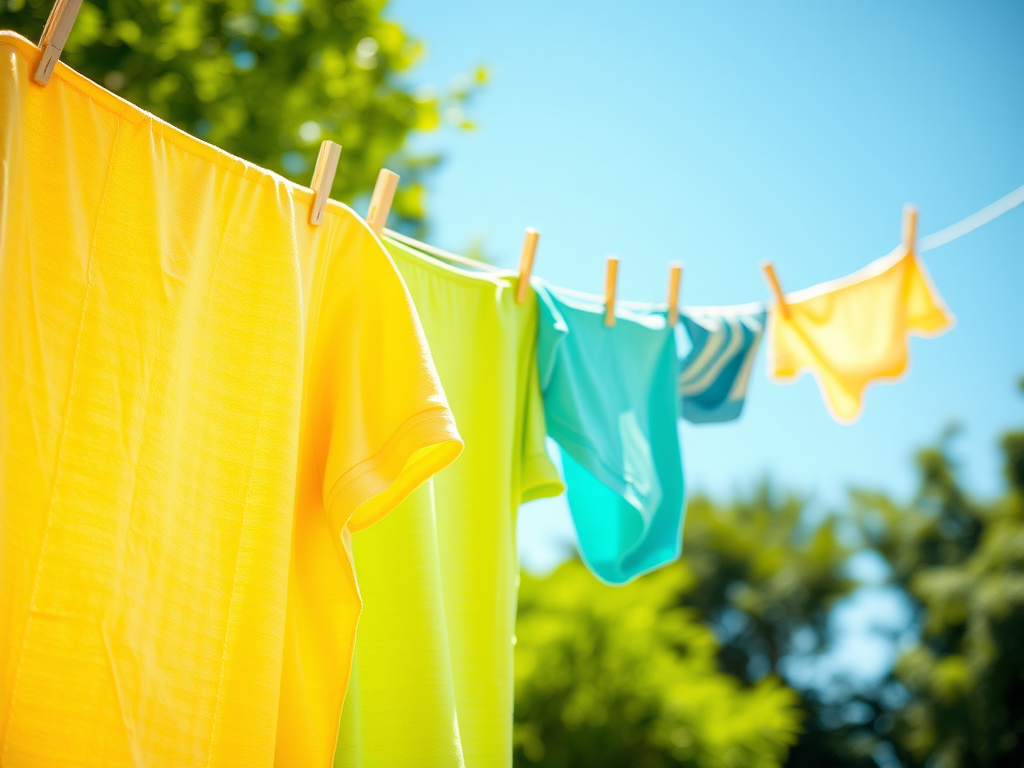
<point x="200" y="396"/>
<point x="432" y="685"/>
<point x="851" y="332"/>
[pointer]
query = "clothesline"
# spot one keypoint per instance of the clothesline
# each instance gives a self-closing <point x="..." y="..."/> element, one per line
<point x="972" y="222"/>
<point x="927" y="243"/>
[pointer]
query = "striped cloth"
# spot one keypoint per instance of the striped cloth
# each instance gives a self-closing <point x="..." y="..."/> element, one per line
<point x="713" y="376"/>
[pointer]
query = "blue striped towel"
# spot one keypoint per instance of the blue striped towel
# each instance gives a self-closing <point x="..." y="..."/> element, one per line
<point x="713" y="376"/>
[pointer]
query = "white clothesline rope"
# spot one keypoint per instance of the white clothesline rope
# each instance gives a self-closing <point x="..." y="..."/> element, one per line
<point x="972" y="222"/>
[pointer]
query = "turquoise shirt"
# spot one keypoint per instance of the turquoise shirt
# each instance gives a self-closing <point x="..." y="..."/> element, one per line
<point x="610" y="404"/>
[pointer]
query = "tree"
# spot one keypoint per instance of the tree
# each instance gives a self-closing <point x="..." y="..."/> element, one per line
<point x="617" y="676"/>
<point x="599" y="668"/>
<point x="766" y="579"/>
<point x="267" y="80"/>
<point x="961" y="562"/>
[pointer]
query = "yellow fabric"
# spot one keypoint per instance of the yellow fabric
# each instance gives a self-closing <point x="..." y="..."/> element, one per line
<point x="432" y="685"/>
<point x="200" y="396"/>
<point x="852" y="332"/>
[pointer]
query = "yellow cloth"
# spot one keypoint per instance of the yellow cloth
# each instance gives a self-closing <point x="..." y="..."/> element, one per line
<point x="201" y="395"/>
<point x="851" y="332"/>
<point x="432" y="685"/>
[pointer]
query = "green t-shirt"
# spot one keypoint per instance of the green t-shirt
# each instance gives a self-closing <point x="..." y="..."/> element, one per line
<point x="432" y="680"/>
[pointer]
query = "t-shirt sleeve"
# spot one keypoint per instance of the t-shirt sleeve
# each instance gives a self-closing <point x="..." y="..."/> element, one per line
<point x="381" y="420"/>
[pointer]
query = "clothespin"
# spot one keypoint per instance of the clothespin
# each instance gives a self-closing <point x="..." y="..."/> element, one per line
<point x="380" y="200"/>
<point x="55" y="35"/>
<point x="675" y="275"/>
<point x="526" y="263"/>
<point x="910" y="229"/>
<point x="768" y="270"/>
<point x="611" y="276"/>
<point x="323" y="180"/>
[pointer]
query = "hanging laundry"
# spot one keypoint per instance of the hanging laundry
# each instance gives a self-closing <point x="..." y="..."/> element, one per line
<point x="433" y="673"/>
<point x="851" y="332"/>
<point x="610" y="404"/>
<point x="202" y="396"/>
<point x="713" y="377"/>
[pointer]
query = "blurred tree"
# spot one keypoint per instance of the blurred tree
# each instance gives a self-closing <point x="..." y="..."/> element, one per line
<point x="619" y="676"/>
<point x="962" y="564"/>
<point x="599" y="668"/>
<point x="766" y="579"/>
<point x="268" y="80"/>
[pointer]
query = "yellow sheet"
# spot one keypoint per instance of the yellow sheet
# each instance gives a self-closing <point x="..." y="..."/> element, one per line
<point x="201" y="395"/>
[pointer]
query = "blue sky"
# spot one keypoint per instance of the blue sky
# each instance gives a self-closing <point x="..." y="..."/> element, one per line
<point x="721" y="134"/>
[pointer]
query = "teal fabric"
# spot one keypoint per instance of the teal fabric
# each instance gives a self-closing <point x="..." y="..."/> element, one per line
<point x="713" y="376"/>
<point x="610" y="403"/>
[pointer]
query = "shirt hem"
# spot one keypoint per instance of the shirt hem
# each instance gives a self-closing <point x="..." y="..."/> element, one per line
<point x="540" y="479"/>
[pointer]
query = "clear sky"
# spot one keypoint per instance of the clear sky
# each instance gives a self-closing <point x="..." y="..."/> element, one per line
<point x="724" y="133"/>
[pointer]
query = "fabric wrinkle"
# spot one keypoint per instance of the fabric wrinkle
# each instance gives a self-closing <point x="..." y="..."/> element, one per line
<point x="60" y="454"/>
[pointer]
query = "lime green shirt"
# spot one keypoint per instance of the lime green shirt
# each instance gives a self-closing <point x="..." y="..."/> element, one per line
<point x="432" y="679"/>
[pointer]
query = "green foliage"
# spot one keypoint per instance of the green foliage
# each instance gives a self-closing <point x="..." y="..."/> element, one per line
<point x="607" y="677"/>
<point x="962" y="564"/>
<point x="610" y="676"/>
<point x="267" y="80"/>
<point x="766" y="577"/>
<point x="768" y="580"/>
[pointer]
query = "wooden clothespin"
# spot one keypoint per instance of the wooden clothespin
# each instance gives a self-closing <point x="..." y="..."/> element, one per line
<point x="611" y="276"/>
<point x="381" y="199"/>
<point x="55" y="35"/>
<point x="768" y="270"/>
<point x="526" y="263"/>
<point x="323" y="180"/>
<point x="675" y="275"/>
<point x="910" y="229"/>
